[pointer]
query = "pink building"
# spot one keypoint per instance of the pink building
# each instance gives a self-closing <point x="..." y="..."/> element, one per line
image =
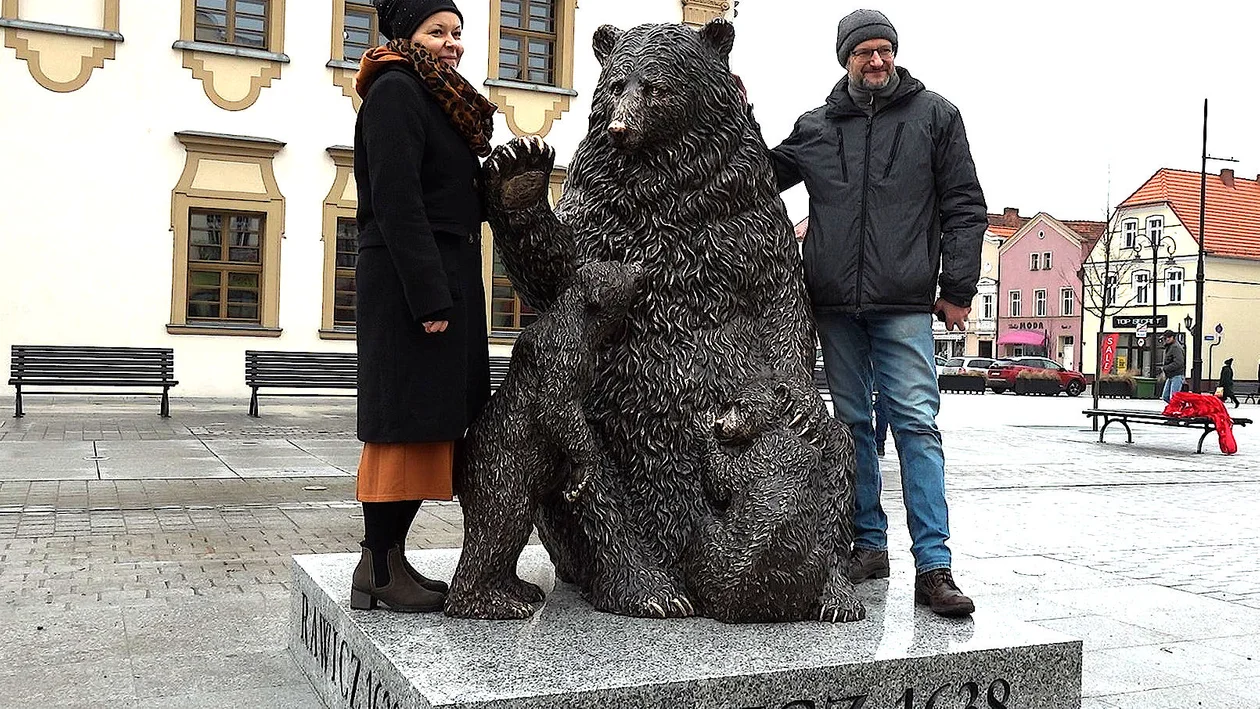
<point x="1039" y="289"/>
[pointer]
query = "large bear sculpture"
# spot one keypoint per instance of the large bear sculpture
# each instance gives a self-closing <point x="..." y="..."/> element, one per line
<point x="672" y="174"/>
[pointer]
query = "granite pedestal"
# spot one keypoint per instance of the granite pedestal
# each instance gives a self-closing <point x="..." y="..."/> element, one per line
<point x="570" y="656"/>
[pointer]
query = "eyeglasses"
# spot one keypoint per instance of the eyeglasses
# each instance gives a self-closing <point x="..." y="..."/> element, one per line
<point x="865" y="55"/>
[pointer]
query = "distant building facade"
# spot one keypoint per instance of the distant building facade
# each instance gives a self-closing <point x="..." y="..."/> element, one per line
<point x="1139" y="290"/>
<point x="1040" y="290"/>
<point x="177" y="173"/>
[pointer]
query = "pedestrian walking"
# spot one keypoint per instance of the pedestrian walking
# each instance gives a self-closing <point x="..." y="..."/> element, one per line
<point x="424" y="370"/>
<point x="881" y="424"/>
<point x="1226" y="382"/>
<point x="1174" y="367"/>
<point x="895" y="210"/>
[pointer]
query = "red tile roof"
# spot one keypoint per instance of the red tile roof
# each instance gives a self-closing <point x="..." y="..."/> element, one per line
<point x="1233" y="208"/>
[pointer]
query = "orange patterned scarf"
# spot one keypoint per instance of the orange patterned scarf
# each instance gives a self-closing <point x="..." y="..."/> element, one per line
<point x="470" y="113"/>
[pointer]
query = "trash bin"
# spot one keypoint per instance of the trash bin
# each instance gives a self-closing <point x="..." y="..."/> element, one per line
<point x="1144" y="388"/>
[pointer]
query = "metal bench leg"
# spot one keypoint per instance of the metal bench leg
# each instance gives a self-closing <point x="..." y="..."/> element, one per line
<point x="253" y="403"/>
<point x="1107" y="421"/>
<point x="166" y="403"/>
<point x="17" y="403"/>
<point x="1202" y="438"/>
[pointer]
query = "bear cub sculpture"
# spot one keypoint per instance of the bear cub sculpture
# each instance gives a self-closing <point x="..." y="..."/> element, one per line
<point x="775" y="547"/>
<point x="534" y="430"/>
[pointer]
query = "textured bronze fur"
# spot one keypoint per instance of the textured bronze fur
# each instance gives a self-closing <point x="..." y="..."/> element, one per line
<point x="673" y="174"/>
<point x="533" y="423"/>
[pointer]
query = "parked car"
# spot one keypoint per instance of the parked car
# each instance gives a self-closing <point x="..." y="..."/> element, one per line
<point x="964" y="365"/>
<point x="1002" y="374"/>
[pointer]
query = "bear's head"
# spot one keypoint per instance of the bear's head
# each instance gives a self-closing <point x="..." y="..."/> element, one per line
<point x="605" y="290"/>
<point x="762" y="404"/>
<point x="660" y="82"/>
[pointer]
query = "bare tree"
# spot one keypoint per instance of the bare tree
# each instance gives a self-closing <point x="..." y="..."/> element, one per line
<point x="1109" y="264"/>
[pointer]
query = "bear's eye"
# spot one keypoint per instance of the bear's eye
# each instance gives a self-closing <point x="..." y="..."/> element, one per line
<point x="617" y="86"/>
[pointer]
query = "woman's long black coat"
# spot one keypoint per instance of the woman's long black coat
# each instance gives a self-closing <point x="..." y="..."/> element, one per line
<point x="419" y="218"/>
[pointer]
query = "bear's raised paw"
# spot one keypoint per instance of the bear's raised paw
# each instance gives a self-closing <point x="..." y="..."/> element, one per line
<point x="519" y="173"/>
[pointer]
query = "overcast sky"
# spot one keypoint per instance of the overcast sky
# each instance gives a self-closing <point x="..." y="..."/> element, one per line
<point x="1055" y="95"/>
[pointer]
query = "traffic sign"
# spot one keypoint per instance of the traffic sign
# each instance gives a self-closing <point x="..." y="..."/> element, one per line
<point x="1141" y="341"/>
<point x="1219" y="328"/>
<point x="1141" y="331"/>
<point x="1209" y="338"/>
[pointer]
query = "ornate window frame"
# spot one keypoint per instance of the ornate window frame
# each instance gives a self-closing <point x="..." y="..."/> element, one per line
<point x="341" y="202"/>
<point x="233" y="77"/>
<point x="343" y="71"/>
<point x="229" y="172"/>
<point x="33" y="42"/>
<point x="531" y="109"/>
<point x="698" y="12"/>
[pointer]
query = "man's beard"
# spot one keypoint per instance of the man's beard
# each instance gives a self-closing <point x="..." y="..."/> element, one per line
<point x="875" y="86"/>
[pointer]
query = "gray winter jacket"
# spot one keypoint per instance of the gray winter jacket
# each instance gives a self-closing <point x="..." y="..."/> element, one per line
<point x="893" y="202"/>
<point x="1174" y="360"/>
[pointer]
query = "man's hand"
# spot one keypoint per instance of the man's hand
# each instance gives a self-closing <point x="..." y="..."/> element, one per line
<point x="435" y="326"/>
<point x="955" y="318"/>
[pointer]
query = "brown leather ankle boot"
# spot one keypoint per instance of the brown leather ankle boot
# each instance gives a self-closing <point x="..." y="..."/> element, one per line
<point x="431" y="584"/>
<point x="868" y="564"/>
<point x="401" y="594"/>
<point x="937" y="590"/>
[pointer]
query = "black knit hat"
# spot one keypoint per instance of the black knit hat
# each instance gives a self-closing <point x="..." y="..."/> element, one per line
<point x="401" y="18"/>
<point x="859" y="26"/>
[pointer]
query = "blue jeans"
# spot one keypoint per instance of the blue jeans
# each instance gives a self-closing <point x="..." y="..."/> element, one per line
<point x="1173" y="385"/>
<point x="894" y="352"/>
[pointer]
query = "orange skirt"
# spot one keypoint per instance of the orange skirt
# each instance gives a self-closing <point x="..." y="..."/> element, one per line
<point x="392" y="472"/>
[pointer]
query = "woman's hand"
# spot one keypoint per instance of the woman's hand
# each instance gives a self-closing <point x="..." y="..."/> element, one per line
<point x="433" y="326"/>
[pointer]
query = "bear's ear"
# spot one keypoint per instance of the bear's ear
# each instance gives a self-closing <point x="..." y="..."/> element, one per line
<point x="605" y="37"/>
<point x="719" y="35"/>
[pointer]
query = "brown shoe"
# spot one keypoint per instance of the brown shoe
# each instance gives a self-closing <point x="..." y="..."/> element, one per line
<point x="431" y="584"/>
<point x="937" y="590"/>
<point x="868" y="564"/>
<point x="401" y="594"/>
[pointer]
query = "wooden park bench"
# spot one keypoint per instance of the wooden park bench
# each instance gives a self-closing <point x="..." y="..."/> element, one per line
<point x="498" y="372"/>
<point x="318" y="370"/>
<point x="81" y="367"/>
<point x="299" y="370"/>
<point x="1124" y="417"/>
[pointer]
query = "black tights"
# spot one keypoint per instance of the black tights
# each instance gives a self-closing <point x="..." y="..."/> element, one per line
<point x="385" y="525"/>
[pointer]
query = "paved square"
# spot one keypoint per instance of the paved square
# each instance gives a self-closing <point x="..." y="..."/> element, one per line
<point x="144" y="561"/>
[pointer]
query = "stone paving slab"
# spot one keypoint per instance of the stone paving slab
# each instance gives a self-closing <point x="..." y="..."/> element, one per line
<point x="159" y="460"/>
<point x="47" y="460"/>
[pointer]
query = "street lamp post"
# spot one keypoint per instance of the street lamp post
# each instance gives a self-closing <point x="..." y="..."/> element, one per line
<point x="1155" y="241"/>
<point x="1197" y="370"/>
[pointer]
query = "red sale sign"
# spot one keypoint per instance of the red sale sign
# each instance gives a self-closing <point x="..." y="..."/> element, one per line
<point x="1110" y="341"/>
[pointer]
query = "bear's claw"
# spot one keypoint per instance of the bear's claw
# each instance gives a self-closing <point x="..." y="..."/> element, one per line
<point x="519" y="172"/>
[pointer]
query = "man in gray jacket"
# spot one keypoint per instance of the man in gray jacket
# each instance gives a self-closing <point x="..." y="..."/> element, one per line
<point x="895" y="212"/>
<point x="1174" y="368"/>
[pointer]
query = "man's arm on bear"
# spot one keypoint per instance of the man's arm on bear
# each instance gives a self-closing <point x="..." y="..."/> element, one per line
<point x="783" y="158"/>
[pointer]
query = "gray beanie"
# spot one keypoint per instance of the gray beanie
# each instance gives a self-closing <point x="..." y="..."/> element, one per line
<point x="859" y="26"/>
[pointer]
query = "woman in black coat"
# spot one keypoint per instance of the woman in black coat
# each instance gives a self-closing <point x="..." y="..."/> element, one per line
<point x="424" y="370"/>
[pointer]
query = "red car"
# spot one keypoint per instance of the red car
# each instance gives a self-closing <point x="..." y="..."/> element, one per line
<point x="1002" y="374"/>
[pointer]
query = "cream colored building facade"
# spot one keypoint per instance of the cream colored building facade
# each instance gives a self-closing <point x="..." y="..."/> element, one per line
<point x="1231" y="288"/>
<point x="131" y="128"/>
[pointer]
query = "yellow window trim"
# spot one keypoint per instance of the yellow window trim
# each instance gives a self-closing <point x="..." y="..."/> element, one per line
<point x="697" y="12"/>
<point x="233" y="77"/>
<point x="33" y="42"/>
<point x="227" y="172"/>
<point x="531" y="109"/>
<point x="341" y="202"/>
